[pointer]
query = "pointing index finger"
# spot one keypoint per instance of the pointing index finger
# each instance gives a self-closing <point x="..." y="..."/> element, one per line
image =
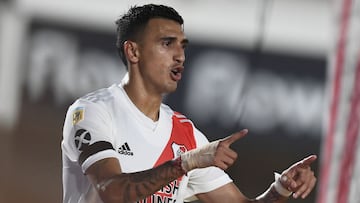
<point x="308" y="160"/>
<point x="305" y="162"/>
<point x="234" y="137"/>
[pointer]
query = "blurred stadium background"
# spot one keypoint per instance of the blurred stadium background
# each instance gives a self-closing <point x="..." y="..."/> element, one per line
<point x="256" y="64"/>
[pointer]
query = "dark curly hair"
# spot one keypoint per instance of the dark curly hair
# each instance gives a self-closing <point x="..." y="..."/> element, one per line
<point x="131" y="24"/>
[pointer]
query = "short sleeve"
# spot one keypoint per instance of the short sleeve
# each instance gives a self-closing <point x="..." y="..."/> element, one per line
<point x="87" y="134"/>
<point x="205" y="180"/>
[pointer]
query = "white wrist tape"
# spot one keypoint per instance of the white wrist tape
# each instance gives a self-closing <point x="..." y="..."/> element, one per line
<point x="199" y="158"/>
<point x="279" y="188"/>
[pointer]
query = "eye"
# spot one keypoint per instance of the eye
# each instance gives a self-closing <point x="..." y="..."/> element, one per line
<point x="184" y="46"/>
<point x="166" y="42"/>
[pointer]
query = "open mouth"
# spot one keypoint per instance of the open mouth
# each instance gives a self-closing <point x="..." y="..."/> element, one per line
<point x="176" y="73"/>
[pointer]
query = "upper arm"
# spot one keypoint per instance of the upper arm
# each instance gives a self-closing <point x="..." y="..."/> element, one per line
<point x="103" y="170"/>
<point x="87" y="131"/>
<point x="100" y="174"/>
<point x="105" y="175"/>
<point x="88" y="140"/>
<point x="228" y="193"/>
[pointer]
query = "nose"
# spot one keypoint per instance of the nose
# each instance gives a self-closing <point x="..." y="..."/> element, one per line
<point x="179" y="56"/>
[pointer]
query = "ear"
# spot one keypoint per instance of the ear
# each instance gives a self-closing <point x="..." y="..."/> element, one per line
<point x="131" y="51"/>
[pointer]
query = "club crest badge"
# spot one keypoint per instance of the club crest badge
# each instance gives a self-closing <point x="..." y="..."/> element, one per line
<point x="178" y="149"/>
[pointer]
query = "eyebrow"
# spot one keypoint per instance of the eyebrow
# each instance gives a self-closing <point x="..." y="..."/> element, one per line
<point x="185" y="41"/>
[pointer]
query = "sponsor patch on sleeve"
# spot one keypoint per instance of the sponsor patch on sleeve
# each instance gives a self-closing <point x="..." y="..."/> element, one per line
<point x="78" y="115"/>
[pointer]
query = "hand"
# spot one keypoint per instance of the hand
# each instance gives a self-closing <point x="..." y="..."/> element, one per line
<point x="216" y="153"/>
<point x="299" y="178"/>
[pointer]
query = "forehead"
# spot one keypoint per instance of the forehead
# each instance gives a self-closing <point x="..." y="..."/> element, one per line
<point x="159" y="27"/>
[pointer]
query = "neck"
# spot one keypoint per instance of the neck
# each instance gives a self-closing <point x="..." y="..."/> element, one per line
<point x="147" y="103"/>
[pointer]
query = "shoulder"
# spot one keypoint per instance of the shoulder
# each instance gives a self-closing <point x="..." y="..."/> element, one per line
<point x="100" y="98"/>
<point x="175" y="114"/>
<point x="101" y="95"/>
<point x="182" y="118"/>
<point x="94" y="105"/>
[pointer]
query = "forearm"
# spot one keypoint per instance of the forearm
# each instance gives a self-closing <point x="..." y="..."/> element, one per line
<point x="230" y="193"/>
<point x="130" y="187"/>
<point x="271" y="196"/>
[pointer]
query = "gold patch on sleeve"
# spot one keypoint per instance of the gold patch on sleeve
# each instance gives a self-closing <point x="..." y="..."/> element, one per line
<point x="78" y="115"/>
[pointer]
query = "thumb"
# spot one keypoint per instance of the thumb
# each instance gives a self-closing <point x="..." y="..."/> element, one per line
<point x="234" y="137"/>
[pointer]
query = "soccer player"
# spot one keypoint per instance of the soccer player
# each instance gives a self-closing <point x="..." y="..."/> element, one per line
<point x="122" y="144"/>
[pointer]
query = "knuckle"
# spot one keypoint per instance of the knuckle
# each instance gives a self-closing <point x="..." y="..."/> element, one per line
<point x="221" y="144"/>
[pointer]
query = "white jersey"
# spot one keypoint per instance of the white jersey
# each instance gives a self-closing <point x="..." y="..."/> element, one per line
<point x="106" y="124"/>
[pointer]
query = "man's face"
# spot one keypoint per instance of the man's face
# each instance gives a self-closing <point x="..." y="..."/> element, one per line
<point x="162" y="55"/>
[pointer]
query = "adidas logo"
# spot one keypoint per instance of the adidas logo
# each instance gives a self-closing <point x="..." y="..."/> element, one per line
<point x="125" y="150"/>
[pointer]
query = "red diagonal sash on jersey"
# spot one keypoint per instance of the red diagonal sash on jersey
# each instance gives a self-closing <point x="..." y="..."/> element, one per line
<point x="181" y="139"/>
<point x="182" y="135"/>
